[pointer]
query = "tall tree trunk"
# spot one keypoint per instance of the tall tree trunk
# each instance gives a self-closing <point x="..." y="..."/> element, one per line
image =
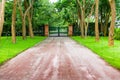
<point x="81" y="5"/>
<point x="2" y="8"/>
<point x="30" y="26"/>
<point x="13" y="22"/>
<point x="24" y="28"/>
<point x="23" y="23"/>
<point x="23" y="16"/>
<point x="106" y="24"/>
<point x="96" y="21"/>
<point x="29" y="21"/>
<point x="81" y="16"/>
<point x="82" y="24"/>
<point x="101" y="23"/>
<point x="111" y="30"/>
<point x="88" y="17"/>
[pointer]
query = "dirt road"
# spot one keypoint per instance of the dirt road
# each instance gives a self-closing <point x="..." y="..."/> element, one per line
<point x="58" y="59"/>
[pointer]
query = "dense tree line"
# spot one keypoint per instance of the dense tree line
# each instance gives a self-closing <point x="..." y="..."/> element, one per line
<point x="28" y="15"/>
<point x="103" y="12"/>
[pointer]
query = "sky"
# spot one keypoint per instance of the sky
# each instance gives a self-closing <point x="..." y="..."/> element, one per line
<point x="53" y="1"/>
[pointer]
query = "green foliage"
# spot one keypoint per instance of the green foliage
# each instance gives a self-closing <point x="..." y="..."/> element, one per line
<point x="118" y="10"/>
<point x="67" y="10"/>
<point x="117" y="34"/>
<point x="9" y="50"/>
<point x="109" y="54"/>
<point x="45" y="13"/>
<point x="61" y="13"/>
<point x="55" y="14"/>
<point x="8" y="17"/>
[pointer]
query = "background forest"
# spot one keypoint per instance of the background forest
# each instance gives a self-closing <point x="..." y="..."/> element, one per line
<point x="26" y="17"/>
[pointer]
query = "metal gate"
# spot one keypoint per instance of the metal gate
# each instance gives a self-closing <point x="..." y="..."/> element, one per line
<point x="58" y="31"/>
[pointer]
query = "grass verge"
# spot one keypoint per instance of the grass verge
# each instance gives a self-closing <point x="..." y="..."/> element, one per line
<point x="9" y="50"/>
<point x="101" y="48"/>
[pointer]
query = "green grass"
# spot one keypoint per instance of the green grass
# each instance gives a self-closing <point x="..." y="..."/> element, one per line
<point x="109" y="54"/>
<point x="9" y="50"/>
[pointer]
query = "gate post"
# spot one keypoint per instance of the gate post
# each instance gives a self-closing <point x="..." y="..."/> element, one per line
<point x="70" y="30"/>
<point x="46" y="30"/>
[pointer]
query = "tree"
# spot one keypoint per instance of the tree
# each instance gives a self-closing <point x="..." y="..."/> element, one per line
<point x="29" y="18"/>
<point x="96" y="20"/>
<point x="85" y="12"/>
<point x="14" y="21"/>
<point x="2" y="7"/>
<point x="81" y="13"/>
<point x="112" y="25"/>
<point x="104" y="13"/>
<point x="23" y="15"/>
<point x="67" y="12"/>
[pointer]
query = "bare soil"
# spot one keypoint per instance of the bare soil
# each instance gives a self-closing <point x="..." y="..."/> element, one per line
<point x="58" y="58"/>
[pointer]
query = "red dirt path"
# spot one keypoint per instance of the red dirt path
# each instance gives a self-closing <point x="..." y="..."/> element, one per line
<point x="58" y="59"/>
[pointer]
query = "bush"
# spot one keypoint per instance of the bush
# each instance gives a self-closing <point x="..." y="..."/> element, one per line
<point x="117" y="34"/>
